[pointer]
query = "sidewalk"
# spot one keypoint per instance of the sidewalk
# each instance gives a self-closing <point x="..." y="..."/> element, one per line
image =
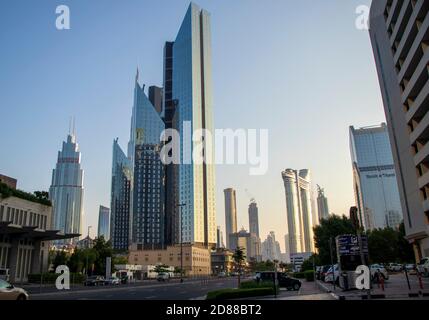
<point x="395" y="288"/>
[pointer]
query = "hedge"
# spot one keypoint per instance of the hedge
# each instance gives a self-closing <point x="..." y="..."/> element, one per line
<point x="226" y="294"/>
<point x="7" y="192"/>
<point x="50" y="278"/>
<point x="309" y="275"/>
<point x="298" y="275"/>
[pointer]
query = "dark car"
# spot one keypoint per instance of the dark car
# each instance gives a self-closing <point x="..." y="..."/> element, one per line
<point x="284" y="280"/>
<point x="94" y="281"/>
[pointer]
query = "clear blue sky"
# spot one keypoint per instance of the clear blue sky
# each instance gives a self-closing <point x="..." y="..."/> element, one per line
<point x="298" y="68"/>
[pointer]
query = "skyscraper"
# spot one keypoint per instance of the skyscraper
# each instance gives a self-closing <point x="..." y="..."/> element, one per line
<point x="375" y="184"/>
<point x="104" y="223"/>
<point x="248" y="242"/>
<point x="230" y="214"/>
<point x="271" y="248"/>
<point x="147" y="194"/>
<point x="155" y="97"/>
<point x="192" y="93"/>
<point x="219" y="239"/>
<point x="399" y="39"/>
<point x="120" y="199"/>
<point x="322" y="204"/>
<point x="253" y="218"/>
<point x="298" y="209"/>
<point x="66" y="191"/>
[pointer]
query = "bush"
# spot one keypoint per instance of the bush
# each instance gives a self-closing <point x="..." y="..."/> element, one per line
<point x="298" y="275"/>
<point x="309" y="275"/>
<point x="49" y="278"/>
<point x="255" y="285"/>
<point x="226" y="294"/>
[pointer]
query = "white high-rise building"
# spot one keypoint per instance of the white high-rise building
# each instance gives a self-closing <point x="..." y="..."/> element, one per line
<point x="230" y="214"/>
<point x="271" y="248"/>
<point x="298" y="209"/>
<point x="322" y="204"/>
<point x="66" y="191"/>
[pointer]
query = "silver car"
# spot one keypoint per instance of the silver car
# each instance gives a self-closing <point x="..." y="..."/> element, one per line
<point x="10" y="292"/>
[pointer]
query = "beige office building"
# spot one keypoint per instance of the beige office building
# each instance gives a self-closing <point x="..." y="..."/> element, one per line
<point x="25" y="232"/>
<point x="399" y="31"/>
<point x="196" y="260"/>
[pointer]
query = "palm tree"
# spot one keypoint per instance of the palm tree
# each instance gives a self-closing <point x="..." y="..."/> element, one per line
<point x="239" y="258"/>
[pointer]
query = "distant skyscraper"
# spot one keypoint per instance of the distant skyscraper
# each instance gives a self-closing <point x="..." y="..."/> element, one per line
<point x="375" y="184"/>
<point x="230" y="214"/>
<point x="155" y="97"/>
<point x="120" y="199"/>
<point x="298" y="209"/>
<point x="399" y="39"/>
<point x="192" y="93"/>
<point x="271" y="248"/>
<point x="248" y="242"/>
<point x="253" y="219"/>
<point x="104" y="223"/>
<point x="219" y="239"/>
<point x="322" y="204"/>
<point x="66" y="191"/>
<point x="147" y="206"/>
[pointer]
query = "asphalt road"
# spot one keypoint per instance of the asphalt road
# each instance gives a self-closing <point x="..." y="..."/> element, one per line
<point x="191" y="289"/>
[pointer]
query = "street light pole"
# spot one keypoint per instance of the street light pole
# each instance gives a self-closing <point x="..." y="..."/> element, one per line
<point x="87" y="247"/>
<point x="181" y="205"/>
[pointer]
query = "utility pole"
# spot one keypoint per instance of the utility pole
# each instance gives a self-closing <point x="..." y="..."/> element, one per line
<point x="180" y="206"/>
<point x="332" y="261"/>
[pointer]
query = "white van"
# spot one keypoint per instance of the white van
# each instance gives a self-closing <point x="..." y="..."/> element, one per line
<point x="4" y="274"/>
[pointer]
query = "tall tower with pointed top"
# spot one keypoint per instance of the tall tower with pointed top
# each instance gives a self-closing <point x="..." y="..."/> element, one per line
<point x="66" y="191"/>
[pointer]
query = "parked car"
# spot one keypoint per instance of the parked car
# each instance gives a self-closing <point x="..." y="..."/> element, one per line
<point x="112" y="281"/>
<point x="163" y="276"/>
<point x="423" y="267"/>
<point x="94" y="281"/>
<point x="395" y="267"/>
<point x="221" y="275"/>
<point x="374" y="268"/>
<point x="4" y="274"/>
<point x="411" y="268"/>
<point x="332" y="276"/>
<point x="283" y="279"/>
<point x="10" y="292"/>
<point x="322" y="274"/>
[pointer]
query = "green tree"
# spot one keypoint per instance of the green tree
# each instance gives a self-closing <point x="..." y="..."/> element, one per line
<point x="161" y="268"/>
<point x="329" y="229"/>
<point x="42" y="195"/>
<point x="405" y="249"/>
<point x="309" y="264"/>
<point x="103" y="249"/>
<point x="239" y="259"/>
<point x="61" y="258"/>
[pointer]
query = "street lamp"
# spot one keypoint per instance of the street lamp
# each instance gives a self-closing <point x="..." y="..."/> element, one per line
<point x="87" y="247"/>
<point x="181" y="205"/>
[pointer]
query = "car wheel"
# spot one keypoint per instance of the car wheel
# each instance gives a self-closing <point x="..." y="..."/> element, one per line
<point x="296" y="286"/>
<point x="21" y="297"/>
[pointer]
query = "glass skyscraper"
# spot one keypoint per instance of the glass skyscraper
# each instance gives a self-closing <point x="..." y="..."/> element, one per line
<point x="104" y="223"/>
<point x="192" y="93"/>
<point x="120" y="199"/>
<point x="66" y="191"/>
<point x="375" y="184"/>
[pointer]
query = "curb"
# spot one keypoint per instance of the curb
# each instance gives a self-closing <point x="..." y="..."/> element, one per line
<point x="325" y="288"/>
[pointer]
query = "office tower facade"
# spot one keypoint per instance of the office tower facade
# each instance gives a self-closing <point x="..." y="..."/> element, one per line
<point x="298" y="209"/>
<point x="230" y="214"/>
<point x="120" y="199"/>
<point x="104" y="223"/>
<point x="66" y="191"/>
<point x="271" y="248"/>
<point x="192" y="93"/>
<point x="248" y="242"/>
<point x="147" y="194"/>
<point x="155" y="97"/>
<point x="322" y="204"/>
<point x="219" y="239"/>
<point x="254" y="219"/>
<point x="374" y="177"/>
<point x="399" y="38"/>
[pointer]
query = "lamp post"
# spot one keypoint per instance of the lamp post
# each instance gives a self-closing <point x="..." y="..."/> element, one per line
<point x="181" y="205"/>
